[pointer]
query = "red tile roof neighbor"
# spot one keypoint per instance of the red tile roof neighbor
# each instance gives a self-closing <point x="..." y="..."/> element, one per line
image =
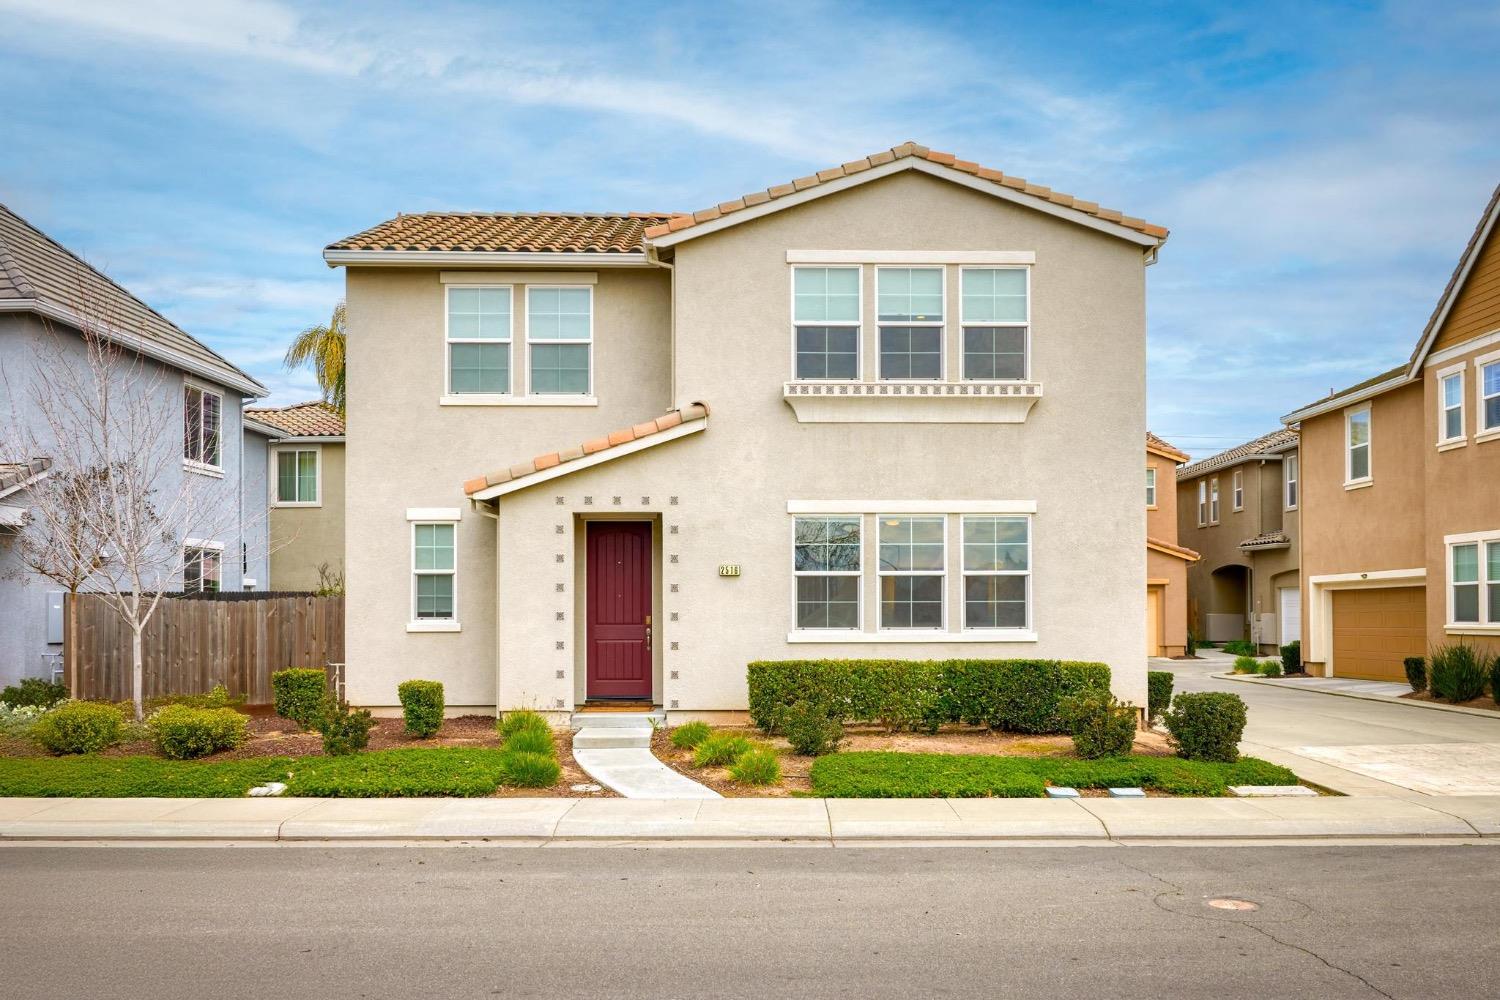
<point x="311" y="419"/>
<point x="1172" y="549"/>
<point x="1165" y="448"/>
<point x="541" y="463"/>
<point x="1277" y="440"/>
<point x="507" y="232"/>
<point x="903" y="151"/>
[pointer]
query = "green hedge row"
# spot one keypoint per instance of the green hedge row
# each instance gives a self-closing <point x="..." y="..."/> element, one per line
<point x="1020" y="696"/>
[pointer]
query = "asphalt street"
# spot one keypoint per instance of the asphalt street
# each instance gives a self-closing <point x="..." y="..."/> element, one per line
<point x="1119" y="922"/>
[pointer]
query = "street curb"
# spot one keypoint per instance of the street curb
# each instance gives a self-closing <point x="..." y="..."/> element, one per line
<point x="1271" y="682"/>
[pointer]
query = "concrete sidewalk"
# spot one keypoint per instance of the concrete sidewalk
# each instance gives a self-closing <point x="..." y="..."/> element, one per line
<point x="543" y="821"/>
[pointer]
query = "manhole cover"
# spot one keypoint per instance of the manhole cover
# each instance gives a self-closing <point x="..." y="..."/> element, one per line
<point x="1233" y="904"/>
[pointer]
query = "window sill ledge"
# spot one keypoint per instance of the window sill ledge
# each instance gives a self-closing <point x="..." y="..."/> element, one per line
<point x="999" y="635"/>
<point x="280" y="504"/>
<point x="911" y="401"/>
<point x="1359" y="484"/>
<point x="478" y="399"/>
<point x="212" y="471"/>
<point x="1489" y="435"/>
<point x="1455" y="628"/>
<point x="1455" y="443"/>
<point x="434" y="626"/>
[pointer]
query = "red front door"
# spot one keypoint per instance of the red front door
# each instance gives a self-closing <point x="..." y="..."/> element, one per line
<point x="619" y="609"/>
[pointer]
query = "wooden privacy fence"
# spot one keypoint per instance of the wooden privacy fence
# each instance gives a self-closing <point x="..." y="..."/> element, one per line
<point x="193" y="643"/>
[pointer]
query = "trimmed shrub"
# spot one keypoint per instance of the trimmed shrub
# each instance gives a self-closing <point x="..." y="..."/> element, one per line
<point x="219" y="697"/>
<point x="183" y="732"/>
<point x="1240" y="647"/>
<point x="79" y="727"/>
<point x="1270" y="669"/>
<point x="522" y="769"/>
<point x="1207" y="725"/>
<point x="1246" y="665"/>
<point x="531" y="740"/>
<point x="344" y="730"/>
<point x="1291" y="657"/>
<point x="688" y="736"/>
<point x="757" y="767"/>
<point x="811" y="728"/>
<point x="421" y="707"/>
<point x="720" y="749"/>
<point x="1192" y="643"/>
<point x="1101" y="726"/>
<point x="33" y="692"/>
<point x="518" y="719"/>
<point x="1457" y="672"/>
<point x="298" y="693"/>
<point x="1416" y="672"/>
<point x="1158" y="693"/>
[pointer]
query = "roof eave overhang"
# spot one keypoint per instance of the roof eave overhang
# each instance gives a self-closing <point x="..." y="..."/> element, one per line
<point x="1450" y="294"/>
<point x="1347" y="400"/>
<point x="1264" y="546"/>
<point x="815" y="191"/>
<point x="589" y="461"/>
<point x="1178" y="457"/>
<point x="1186" y="555"/>
<point x="1272" y="455"/>
<point x="478" y="258"/>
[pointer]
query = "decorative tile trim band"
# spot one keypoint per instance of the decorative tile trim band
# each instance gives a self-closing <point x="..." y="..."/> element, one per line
<point x="958" y="390"/>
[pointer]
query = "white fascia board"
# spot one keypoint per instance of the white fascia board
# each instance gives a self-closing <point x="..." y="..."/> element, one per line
<point x="1436" y="323"/>
<point x="1343" y="402"/>
<point x="911" y="506"/>
<point x="284" y="438"/>
<point x="960" y="257"/>
<point x="589" y="461"/>
<point x="519" y="277"/>
<point x="1392" y="576"/>
<point x="1459" y="350"/>
<point x="439" y="258"/>
<point x="834" y="636"/>
<point x="265" y="430"/>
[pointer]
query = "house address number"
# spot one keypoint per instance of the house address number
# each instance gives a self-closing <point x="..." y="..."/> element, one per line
<point x="729" y="569"/>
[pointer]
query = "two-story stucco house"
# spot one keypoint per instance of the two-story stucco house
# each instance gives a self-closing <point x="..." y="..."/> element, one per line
<point x="1400" y="510"/>
<point x="1167" y="562"/>
<point x="893" y="409"/>
<point x="305" y="483"/>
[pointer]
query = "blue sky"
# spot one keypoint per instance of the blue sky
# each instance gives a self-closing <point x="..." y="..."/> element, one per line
<point x="1320" y="165"/>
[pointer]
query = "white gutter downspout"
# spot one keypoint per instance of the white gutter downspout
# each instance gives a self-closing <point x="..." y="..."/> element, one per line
<point x="653" y="257"/>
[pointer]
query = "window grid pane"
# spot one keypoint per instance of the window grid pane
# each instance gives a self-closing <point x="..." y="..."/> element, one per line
<point x="994" y="352"/>
<point x="912" y="572"/>
<point x="828" y="602"/>
<point x="826" y="545"/>
<point x="911" y="602"/>
<point x="286" y="476"/>
<point x="479" y="313"/>
<point x="909" y="294"/>
<point x="825" y="295"/>
<point x="911" y="352"/>
<point x="996" y="567"/>
<point x="1490" y="395"/>
<point x="993" y="295"/>
<point x="307" y="476"/>
<point x="830" y="352"/>
<point x="560" y="369"/>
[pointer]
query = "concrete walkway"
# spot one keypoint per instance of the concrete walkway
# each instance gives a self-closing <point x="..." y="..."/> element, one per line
<point x="540" y="821"/>
<point x="614" y="748"/>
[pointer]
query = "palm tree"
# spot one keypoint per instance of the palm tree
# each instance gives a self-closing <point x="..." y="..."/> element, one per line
<point x="323" y="348"/>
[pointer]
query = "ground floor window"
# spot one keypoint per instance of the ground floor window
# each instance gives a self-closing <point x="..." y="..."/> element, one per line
<point x="434" y="572"/>
<point x="997" y="571"/>
<point x="826" y="566"/>
<point x="912" y="571"/>
<point x="1474" y="579"/>
<point x="201" y="568"/>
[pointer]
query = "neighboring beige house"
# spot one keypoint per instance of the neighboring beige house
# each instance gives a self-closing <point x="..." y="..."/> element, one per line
<point x="1166" y="562"/>
<point x="306" y="482"/>
<point x="893" y="409"/>
<point x="1239" y="509"/>
<point x="1401" y="515"/>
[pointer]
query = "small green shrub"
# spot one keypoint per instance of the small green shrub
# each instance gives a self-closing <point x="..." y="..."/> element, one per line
<point x="531" y="740"/>
<point x="182" y="732"/>
<point x="1246" y="665"/>
<point x="720" y="749"/>
<point x="1291" y="657"/>
<point x="1207" y="725"/>
<point x="18" y="721"/>
<point x="1158" y="693"/>
<point x="1495" y="677"/>
<point x="421" y="707"/>
<point x="1457" y="672"/>
<point x="1101" y="726"/>
<point x="522" y="769"/>
<point x="298" y="694"/>
<point x="33" y="692"/>
<point x="1416" y="672"/>
<point x="1240" y="647"/>
<point x="1192" y="643"/>
<point x="1270" y="669"/>
<point x="812" y="728"/>
<point x="518" y="719"/>
<point x="758" y="766"/>
<point x="686" y="737"/>
<point x="219" y="697"/>
<point x="79" y="727"/>
<point x="344" y="730"/>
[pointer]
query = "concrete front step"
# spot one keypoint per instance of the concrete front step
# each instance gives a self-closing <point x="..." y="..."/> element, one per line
<point x="612" y="737"/>
<point x="616" y="720"/>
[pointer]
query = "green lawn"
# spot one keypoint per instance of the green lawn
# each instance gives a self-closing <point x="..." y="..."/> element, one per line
<point x="456" y="771"/>
<point x="883" y="775"/>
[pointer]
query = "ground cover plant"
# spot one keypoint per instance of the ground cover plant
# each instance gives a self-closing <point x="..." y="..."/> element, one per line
<point x="423" y="771"/>
<point x="689" y="735"/>
<point x="92" y="776"/>
<point x="1240" y="647"/>
<point x="720" y="749"/>
<point x="1246" y="665"/>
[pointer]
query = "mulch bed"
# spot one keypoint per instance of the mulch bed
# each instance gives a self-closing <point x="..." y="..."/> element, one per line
<point x="1483" y="701"/>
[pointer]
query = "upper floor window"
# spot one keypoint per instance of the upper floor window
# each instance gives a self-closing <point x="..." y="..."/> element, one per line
<point x="1290" y="472"/>
<point x="1202" y="502"/>
<point x="1357" y="445"/>
<point x="825" y="322"/>
<point x="479" y="339"/>
<point x="201" y="568"/>
<point x="909" y="310"/>
<point x="297" y="477"/>
<point x="1213" y="500"/>
<point x="1238" y="492"/>
<point x="1450" y="406"/>
<point x="1150" y="486"/>
<point x="202" y="413"/>
<point x="1474" y="579"/>
<point x="994" y="314"/>
<point x="1488" y="376"/>
<point x="560" y="339"/>
<point x="912" y="571"/>
<point x="826" y="567"/>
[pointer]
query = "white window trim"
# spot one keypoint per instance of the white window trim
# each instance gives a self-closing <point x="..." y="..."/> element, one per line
<point x="430" y="515"/>
<point x="1481" y="432"/>
<point x="965" y="572"/>
<point x="1214" y="508"/>
<point x="941" y="326"/>
<point x="1481" y="540"/>
<point x="1291" y="485"/>
<point x="1026" y="347"/>
<point x="1237" y="490"/>
<point x="1151" y="498"/>
<point x="509" y="341"/>
<point x="859" y="589"/>
<point x="848" y="508"/>
<point x="1462" y="437"/>
<point x="1369" y="477"/>
<point x="976" y="258"/>
<point x="858" y="324"/>
<point x="880" y="625"/>
<point x="215" y="470"/>
<point x="1203" y="503"/>
<point x="562" y="398"/>
<point x="275" y="475"/>
<point x="203" y="544"/>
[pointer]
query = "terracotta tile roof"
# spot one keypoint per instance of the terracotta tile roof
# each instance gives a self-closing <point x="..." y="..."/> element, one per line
<point x="625" y="435"/>
<point x="314" y="418"/>
<point x="1165" y="448"/>
<point x="507" y="232"/>
<point x="1267" y="540"/>
<point x="903" y="151"/>
<point x="1277" y="440"/>
<point x="13" y="474"/>
<point x="1172" y="548"/>
<point x="34" y="268"/>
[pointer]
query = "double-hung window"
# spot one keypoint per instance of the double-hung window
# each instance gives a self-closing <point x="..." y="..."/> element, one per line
<point x="1202" y="502"/>
<point x="997" y="571"/>
<point x="560" y="339"/>
<point x="994" y="315"/>
<point x="825" y="322"/>
<point x="1357" y="445"/>
<point x="201" y="568"/>
<point x="1290" y="472"/>
<point x="1213" y="500"/>
<point x="297" y="477"/>
<point x="479" y="339"/>
<point x="1488" y="377"/>
<point x="1474" y="580"/>
<point x="909" y="310"/>
<point x="1450" y="407"/>
<point x="826" y="569"/>
<point x="1238" y="493"/>
<point x="1150" y="487"/>
<point x="201" y="415"/>
<point x="912" y="571"/>
<point x="434" y="572"/>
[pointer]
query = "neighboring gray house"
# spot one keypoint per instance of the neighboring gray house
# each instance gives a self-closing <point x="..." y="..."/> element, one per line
<point x="48" y="296"/>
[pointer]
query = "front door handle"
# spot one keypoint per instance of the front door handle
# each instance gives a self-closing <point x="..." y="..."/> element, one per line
<point x="648" y="633"/>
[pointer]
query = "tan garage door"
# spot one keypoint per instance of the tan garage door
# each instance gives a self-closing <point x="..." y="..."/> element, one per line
<point x="1153" y="622"/>
<point x="1374" y="630"/>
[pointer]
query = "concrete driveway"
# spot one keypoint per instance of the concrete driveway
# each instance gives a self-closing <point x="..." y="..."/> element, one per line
<point x="1355" y="746"/>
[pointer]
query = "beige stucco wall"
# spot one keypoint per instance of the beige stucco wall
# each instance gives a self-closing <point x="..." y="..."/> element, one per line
<point x="305" y="538"/>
